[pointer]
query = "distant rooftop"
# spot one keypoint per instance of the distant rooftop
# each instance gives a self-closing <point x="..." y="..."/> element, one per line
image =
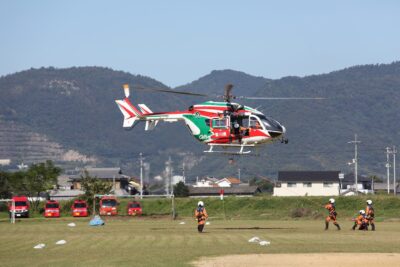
<point x="308" y="176"/>
<point x="209" y="191"/>
<point x="101" y="173"/>
<point x="383" y="186"/>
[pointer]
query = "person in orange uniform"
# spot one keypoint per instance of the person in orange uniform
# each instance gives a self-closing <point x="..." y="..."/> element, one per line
<point x="361" y="221"/>
<point x="201" y="216"/>
<point x="370" y="214"/>
<point x="332" y="214"/>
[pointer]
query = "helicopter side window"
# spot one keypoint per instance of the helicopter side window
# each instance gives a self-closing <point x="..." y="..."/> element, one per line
<point x="254" y="123"/>
<point x="220" y="123"/>
<point x="245" y="121"/>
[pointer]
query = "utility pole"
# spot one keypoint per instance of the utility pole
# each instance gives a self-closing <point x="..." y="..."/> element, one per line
<point x="114" y="184"/>
<point x="183" y="173"/>
<point x="388" y="169"/>
<point x="355" y="142"/>
<point x="141" y="176"/>
<point x="394" y="151"/>
<point x="170" y="188"/>
<point x="168" y="177"/>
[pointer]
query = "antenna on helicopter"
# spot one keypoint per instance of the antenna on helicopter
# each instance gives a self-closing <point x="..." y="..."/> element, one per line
<point x="227" y="95"/>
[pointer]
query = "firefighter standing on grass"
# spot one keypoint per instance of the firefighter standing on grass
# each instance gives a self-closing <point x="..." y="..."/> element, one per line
<point x="370" y="214"/>
<point x="332" y="214"/>
<point x="201" y="216"/>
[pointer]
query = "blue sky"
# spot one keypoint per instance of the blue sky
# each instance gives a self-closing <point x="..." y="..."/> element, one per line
<point x="177" y="42"/>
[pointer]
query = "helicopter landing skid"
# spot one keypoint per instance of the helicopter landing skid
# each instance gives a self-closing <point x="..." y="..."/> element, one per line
<point x="227" y="151"/>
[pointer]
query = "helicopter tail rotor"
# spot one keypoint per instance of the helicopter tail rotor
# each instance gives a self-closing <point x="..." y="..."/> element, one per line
<point x="130" y="112"/>
<point x="126" y="90"/>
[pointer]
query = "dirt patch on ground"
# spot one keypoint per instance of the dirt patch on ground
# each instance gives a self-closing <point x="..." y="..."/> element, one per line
<point x="256" y="228"/>
<point x="320" y="259"/>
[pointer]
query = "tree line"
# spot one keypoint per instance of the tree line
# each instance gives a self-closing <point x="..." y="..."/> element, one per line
<point x="32" y="182"/>
<point x="38" y="179"/>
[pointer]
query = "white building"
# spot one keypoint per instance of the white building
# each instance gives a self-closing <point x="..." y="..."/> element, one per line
<point x="5" y="162"/>
<point x="213" y="182"/>
<point x="307" y="183"/>
<point x="176" y="179"/>
<point x="228" y="182"/>
<point x="364" y="185"/>
<point x="205" y="182"/>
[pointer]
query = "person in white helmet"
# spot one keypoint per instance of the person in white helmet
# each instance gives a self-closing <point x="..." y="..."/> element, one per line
<point x="370" y="214"/>
<point x="361" y="221"/>
<point x="201" y="216"/>
<point x="332" y="214"/>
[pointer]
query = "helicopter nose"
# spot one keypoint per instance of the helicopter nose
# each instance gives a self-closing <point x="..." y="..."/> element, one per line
<point x="277" y="131"/>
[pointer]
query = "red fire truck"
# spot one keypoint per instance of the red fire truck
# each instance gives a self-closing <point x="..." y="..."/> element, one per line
<point x="79" y="208"/>
<point x="108" y="205"/>
<point x="52" y="209"/>
<point x="134" y="208"/>
<point x="21" y="207"/>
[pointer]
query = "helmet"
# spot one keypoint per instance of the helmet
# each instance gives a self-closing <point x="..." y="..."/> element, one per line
<point x="369" y="202"/>
<point x="331" y="200"/>
<point x="200" y="204"/>
<point x="362" y="212"/>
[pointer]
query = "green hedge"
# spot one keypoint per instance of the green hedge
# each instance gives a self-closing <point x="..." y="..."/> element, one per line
<point x="259" y="207"/>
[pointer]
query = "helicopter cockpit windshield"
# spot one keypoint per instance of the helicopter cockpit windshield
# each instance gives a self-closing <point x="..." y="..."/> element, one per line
<point x="269" y="123"/>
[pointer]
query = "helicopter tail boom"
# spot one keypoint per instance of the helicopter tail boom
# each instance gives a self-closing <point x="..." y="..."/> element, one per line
<point x="130" y="113"/>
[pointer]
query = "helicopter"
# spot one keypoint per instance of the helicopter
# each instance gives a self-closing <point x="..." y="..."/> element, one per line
<point x="231" y="126"/>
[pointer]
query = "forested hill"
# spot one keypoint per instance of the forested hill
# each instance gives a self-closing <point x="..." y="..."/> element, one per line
<point x="50" y="112"/>
<point x="75" y="110"/>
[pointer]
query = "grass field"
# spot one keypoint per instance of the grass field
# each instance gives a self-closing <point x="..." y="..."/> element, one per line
<point x="162" y="242"/>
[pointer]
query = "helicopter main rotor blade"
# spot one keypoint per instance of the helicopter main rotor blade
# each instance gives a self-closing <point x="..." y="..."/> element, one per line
<point x="164" y="90"/>
<point x="280" y="98"/>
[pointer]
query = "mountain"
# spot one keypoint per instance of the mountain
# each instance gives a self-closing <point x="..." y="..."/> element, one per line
<point x="214" y="83"/>
<point x="74" y="110"/>
<point x="69" y="115"/>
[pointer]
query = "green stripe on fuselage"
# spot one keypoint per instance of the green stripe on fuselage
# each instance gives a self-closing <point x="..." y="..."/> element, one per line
<point x="212" y="103"/>
<point x="200" y="123"/>
<point x="224" y="104"/>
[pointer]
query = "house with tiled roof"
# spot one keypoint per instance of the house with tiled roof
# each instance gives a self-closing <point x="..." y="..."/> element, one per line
<point x="228" y="182"/>
<point x="111" y="175"/>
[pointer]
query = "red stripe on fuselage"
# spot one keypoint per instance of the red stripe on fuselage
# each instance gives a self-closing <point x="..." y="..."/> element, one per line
<point x="192" y="112"/>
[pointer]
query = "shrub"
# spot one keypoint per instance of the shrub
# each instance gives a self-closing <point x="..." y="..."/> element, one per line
<point x="300" y="212"/>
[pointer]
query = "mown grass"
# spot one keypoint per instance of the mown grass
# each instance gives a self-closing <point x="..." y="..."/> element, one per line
<point x="164" y="242"/>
